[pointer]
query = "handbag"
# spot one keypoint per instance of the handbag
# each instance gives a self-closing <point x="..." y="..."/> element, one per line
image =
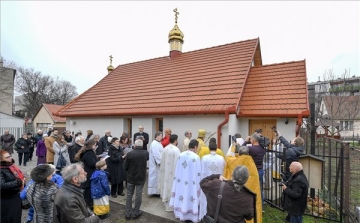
<point x="207" y="218"/>
<point x="61" y="162"/>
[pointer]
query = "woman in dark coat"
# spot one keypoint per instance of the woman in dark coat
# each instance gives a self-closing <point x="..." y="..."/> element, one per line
<point x="23" y="148"/>
<point x="117" y="172"/>
<point x="89" y="159"/>
<point x="11" y="183"/>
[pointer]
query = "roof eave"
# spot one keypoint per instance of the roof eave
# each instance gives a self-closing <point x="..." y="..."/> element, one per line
<point x="208" y="112"/>
<point x="304" y="114"/>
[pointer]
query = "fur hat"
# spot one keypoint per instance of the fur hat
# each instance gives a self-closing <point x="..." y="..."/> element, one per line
<point x="41" y="172"/>
<point x="201" y="133"/>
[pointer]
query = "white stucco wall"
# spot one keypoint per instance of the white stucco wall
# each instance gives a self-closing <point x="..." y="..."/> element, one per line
<point x="178" y="125"/>
<point x="98" y="124"/>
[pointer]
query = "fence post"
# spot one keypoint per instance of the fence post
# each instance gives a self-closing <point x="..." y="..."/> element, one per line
<point x="346" y="180"/>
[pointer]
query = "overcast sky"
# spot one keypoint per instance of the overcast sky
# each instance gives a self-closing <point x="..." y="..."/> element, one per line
<point x="73" y="39"/>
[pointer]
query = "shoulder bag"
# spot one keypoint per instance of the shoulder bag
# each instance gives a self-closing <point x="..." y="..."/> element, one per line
<point x="207" y="218"/>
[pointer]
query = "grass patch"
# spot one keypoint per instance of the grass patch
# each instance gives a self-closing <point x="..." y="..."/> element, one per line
<point x="274" y="215"/>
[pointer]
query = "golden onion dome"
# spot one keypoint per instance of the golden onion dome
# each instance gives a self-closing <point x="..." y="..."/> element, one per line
<point x="176" y="34"/>
<point x="110" y="67"/>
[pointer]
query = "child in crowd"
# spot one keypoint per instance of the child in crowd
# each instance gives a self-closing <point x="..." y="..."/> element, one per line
<point x="100" y="190"/>
<point x="57" y="179"/>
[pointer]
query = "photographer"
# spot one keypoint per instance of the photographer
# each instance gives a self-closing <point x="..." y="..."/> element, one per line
<point x="293" y="150"/>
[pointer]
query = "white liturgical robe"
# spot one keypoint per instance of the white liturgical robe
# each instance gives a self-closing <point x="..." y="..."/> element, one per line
<point x="210" y="164"/>
<point x="167" y="171"/>
<point x="154" y="167"/>
<point x="185" y="192"/>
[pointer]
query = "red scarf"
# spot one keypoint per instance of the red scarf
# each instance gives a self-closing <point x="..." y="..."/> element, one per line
<point x="16" y="172"/>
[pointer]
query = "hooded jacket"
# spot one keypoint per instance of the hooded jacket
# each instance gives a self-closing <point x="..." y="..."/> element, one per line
<point x="99" y="184"/>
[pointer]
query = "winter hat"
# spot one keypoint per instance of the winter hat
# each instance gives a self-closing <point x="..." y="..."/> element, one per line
<point x="41" y="172"/>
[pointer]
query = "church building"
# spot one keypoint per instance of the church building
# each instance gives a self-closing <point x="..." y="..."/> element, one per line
<point x="223" y="89"/>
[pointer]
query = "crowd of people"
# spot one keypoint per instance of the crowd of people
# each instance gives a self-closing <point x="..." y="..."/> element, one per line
<point x="75" y="175"/>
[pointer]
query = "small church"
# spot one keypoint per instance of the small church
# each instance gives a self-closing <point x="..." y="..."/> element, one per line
<point x="223" y="89"/>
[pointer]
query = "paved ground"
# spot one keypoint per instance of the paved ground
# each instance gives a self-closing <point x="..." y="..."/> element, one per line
<point x="152" y="207"/>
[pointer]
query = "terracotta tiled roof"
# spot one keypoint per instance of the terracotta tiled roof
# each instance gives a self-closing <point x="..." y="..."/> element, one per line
<point x="276" y="90"/>
<point x="343" y="107"/>
<point x="52" y="109"/>
<point x="203" y="81"/>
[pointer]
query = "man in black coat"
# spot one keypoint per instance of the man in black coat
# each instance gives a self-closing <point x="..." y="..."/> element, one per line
<point x="295" y="193"/>
<point x="135" y="165"/>
<point x="104" y="143"/>
<point x="143" y="136"/>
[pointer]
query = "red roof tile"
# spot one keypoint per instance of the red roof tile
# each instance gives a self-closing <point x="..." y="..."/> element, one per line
<point x="52" y="109"/>
<point x="202" y="81"/>
<point x="276" y="90"/>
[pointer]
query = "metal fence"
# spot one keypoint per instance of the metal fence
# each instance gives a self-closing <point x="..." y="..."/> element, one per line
<point x="339" y="192"/>
<point x="17" y="132"/>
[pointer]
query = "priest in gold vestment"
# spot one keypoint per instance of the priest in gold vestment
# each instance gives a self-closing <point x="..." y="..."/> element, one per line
<point x="242" y="157"/>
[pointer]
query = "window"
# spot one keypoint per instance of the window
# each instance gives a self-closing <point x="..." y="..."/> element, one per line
<point x="347" y="125"/>
<point x="159" y="124"/>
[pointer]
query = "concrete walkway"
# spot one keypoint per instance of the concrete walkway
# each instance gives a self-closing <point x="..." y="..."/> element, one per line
<point x="152" y="207"/>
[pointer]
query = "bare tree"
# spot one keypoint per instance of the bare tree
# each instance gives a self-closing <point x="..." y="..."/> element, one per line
<point x="337" y="105"/>
<point x="37" y="89"/>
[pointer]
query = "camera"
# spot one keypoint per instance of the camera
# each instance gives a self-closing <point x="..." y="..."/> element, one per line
<point x="233" y="138"/>
<point x="283" y="181"/>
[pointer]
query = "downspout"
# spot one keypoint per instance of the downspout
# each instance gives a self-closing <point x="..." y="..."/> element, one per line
<point x="227" y="112"/>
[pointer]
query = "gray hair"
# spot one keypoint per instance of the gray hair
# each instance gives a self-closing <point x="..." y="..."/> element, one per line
<point x="240" y="176"/>
<point x="186" y="132"/>
<point x="243" y="150"/>
<point x="255" y="137"/>
<point x="138" y="142"/>
<point x="97" y="136"/>
<point x="78" y="138"/>
<point x="237" y="135"/>
<point x="71" y="171"/>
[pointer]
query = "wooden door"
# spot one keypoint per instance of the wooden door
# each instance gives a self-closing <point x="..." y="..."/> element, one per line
<point x="265" y="125"/>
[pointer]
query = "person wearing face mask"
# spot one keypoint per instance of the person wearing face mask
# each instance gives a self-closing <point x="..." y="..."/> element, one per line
<point x="69" y="202"/>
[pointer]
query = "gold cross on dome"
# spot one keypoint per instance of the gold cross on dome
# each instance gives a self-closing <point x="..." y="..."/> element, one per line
<point x="176" y="14"/>
<point x="111" y="57"/>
